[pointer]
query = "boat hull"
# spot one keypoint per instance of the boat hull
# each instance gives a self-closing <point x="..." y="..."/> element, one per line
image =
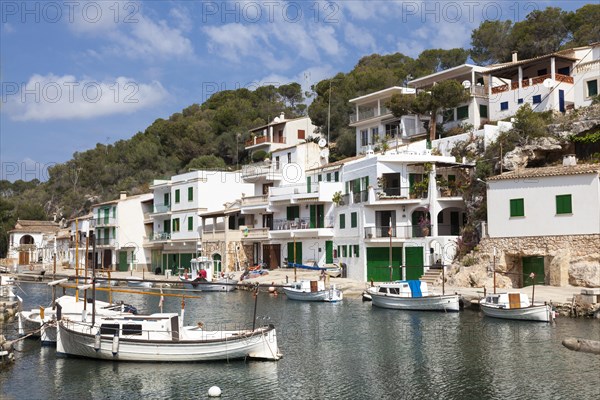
<point x="425" y="303"/>
<point x="219" y="285"/>
<point x="328" y="295"/>
<point x="541" y="313"/>
<point x="214" y="346"/>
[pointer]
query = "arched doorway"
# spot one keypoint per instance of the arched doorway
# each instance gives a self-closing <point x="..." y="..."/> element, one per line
<point x="421" y="223"/>
<point x="216" y="263"/>
<point x="26" y="245"/>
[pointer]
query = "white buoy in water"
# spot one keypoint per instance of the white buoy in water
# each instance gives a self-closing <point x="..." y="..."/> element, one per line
<point x="214" y="391"/>
<point x="271" y="289"/>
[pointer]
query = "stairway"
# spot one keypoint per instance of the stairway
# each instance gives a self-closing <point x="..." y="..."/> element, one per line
<point x="432" y="277"/>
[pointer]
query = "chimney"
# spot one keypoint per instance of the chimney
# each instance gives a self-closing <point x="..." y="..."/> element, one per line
<point x="282" y="116"/>
<point x="515" y="57"/>
<point x="123" y="195"/>
<point x="569" y="160"/>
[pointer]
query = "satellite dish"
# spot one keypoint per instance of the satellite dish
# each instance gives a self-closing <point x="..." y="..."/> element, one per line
<point x="322" y="142"/>
<point x="466" y="84"/>
<point x="324" y="153"/>
<point x="548" y="82"/>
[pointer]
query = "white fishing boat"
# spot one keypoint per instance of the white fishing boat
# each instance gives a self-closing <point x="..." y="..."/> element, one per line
<point x="138" y="282"/>
<point x="7" y="287"/>
<point x="201" y="277"/>
<point x="41" y="322"/>
<point x="161" y="337"/>
<point x="313" y="291"/>
<point x="411" y="295"/>
<point x="515" y="306"/>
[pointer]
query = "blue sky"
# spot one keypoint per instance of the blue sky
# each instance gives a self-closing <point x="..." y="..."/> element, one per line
<point x="77" y="73"/>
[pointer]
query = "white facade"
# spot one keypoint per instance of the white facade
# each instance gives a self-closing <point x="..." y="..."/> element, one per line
<point x="281" y="133"/>
<point x="541" y="213"/>
<point x="587" y="74"/>
<point x="120" y="232"/>
<point x="32" y="242"/>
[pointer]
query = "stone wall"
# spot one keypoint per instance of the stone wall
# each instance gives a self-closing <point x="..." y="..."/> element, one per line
<point x="236" y="253"/>
<point x="568" y="260"/>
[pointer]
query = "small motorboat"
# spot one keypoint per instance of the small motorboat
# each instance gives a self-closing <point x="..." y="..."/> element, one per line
<point x="313" y="291"/>
<point x="515" y="306"/>
<point x="201" y="277"/>
<point x="136" y="281"/>
<point x="411" y="295"/>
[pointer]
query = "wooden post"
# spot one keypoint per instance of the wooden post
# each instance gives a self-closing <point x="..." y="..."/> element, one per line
<point x="76" y="259"/>
<point x="532" y="276"/>
<point x="295" y="278"/>
<point x="494" y="266"/>
<point x="443" y="280"/>
<point x="87" y="249"/>
<point x="255" y="305"/>
<point x="390" y="252"/>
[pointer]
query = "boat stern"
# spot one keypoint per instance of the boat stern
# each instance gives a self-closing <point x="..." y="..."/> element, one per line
<point x="266" y="349"/>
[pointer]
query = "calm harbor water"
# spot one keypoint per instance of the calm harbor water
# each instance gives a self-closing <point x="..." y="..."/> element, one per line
<point x="330" y="351"/>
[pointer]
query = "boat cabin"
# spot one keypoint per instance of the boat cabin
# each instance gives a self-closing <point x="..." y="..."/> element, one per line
<point x="154" y="327"/>
<point x="412" y="288"/>
<point x="309" y="286"/>
<point x="198" y="264"/>
<point x="508" y="300"/>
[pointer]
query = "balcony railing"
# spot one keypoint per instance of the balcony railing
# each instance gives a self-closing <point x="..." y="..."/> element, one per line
<point x="160" y="236"/>
<point x="302" y="223"/>
<point x="369" y="113"/>
<point x="105" y="241"/>
<point x="256" y="233"/>
<point x="263" y="139"/>
<point x="514" y="85"/>
<point x="410" y="231"/>
<point x="255" y="200"/>
<point x="261" y="169"/>
<point x="360" y="197"/>
<point x="161" y="208"/>
<point x="105" y="221"/>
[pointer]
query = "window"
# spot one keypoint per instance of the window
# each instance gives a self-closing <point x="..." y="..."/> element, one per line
<point x="289" y="157"/>
<point x="563" y="204"/>
<point x="166" y="199"/>
<point x="374" y="135"/>
<point x="353" y="220"/>
<point x="364" y="137"/>
<point x="483" y="111"/>
<point x="517" y="208"/>
<point x="190" y="223"/>
<point x="320" y="178"/>
<point x="191" y="193"/>
<point x="537" y="99"/>
<point x="329" y="177"/>
<point x="520" y="101"/>
<point x="344" y="251"/>
<point x="462" y="112"/>
<point x="504" y="106"/>
<point x="293" y="212"/>
<point x="564" y="71"/>
<point x="301" y="133"/>
<point x="177" y="195"/>
<point x="175" y="224"/>
<point x="541" y="72"/>
<point x="355" y="250"/>
<point x="336" y="176"/>
<point x="277" y="162"/>
<point x="592" y="88"/>
<point x="391" y="130"/>
<point x="448" y="115"/>
<point x="342" y="221"/>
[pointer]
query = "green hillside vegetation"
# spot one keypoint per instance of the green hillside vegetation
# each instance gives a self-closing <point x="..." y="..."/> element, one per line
<point x="211" y="135"/>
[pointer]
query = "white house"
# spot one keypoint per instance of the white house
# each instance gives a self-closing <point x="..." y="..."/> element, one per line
<point x="120" y="232"/>
<point x="280" y="133"/>
<point x="32" y="241"/>
<point x="175" y="228"/>
<point x="546" y="221"/>
<point x="586" y="73"/>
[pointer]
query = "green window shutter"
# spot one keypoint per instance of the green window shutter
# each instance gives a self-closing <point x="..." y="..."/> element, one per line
<point x="483" y="111"/>
<point x="114" y="232"/>
<point x="592" y="87"/>
<point x="347" y="187"/>
<point x="342" y="221"/>
<point x="462" y="112"/>
<point x="175" y="224"/>
<point x="320" y="177"/>
<point x="191" y="193"/>
<point x="308" y="184"/>
<point x="356" y="250"/>
<point x="329" y="177"/>
<point x="190" y="223"/>
<point x="353" y="220"/>
<point x="289" y="213"/>
<point x="166" y="199"/>
<point x="177" y="195"/>
<point x="114" y="212"/>
<point x="336" y="176"/>
<point x="293" y="212"/>
<point x="366" y="182"/>
<point x="517" y="208"/>
<point x="344" y="252"/>
<point x="563" y="204"/>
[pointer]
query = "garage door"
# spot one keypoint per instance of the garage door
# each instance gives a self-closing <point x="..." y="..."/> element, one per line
<point x="535" y="265"/>
<point x="378" y="263"/>
<point x="414" y="262"/>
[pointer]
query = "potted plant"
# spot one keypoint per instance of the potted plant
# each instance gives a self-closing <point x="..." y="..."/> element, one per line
<point x="425" y="225"/>
<point x="337" y="199"/>
<point x="419" y="189"/>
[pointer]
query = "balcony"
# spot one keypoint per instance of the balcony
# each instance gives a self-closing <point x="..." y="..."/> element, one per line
<point x="221" y="235"/>
<point x="410" y="231"/>
<point x="163" y="236"/>
<point x="263" y="139"/>
<point x="262" y="170"/>
<point x="369" y="113"/>
<point x="253" y="201"/>
<point x="105" y="241"/>
<point x="161" y="208"/>
<point x="255" y="234"/>
<point x="105" y="221"/>
<point x="302" y="223"/>
<point x="360" y="197"/>
<point x="514" y="85"/>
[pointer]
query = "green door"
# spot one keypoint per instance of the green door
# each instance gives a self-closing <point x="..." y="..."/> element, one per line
<point x="217" y="264"/>
<point x="414" y="262"/>
<point x="328" y="251"/>
<point x="122" y="261"/>
<point x="186" y="260"/>
<point x="533" y="265"/>
<point x="313" y="216"/>
<point x="378" y="263"/>
<point x="106" y="215"/>
<point x="290" y="256"/>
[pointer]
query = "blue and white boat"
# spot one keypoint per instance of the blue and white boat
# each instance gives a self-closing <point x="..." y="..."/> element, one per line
<point x="411" y="295"/>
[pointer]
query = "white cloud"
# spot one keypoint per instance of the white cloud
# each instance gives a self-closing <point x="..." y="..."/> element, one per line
<point x="359" y="38"/>
<point x="8" y="28"/>
<point x="132" y="34"/>
<point x="52" y="97"/>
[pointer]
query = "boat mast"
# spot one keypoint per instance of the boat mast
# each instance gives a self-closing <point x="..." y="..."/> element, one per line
<point x="390" y="255"/>
<point x="494" y="266"/>
<point x="93" y="237"/>
<point x="76" y="259"/>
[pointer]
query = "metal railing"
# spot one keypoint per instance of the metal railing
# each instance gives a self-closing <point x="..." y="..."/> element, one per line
<point x="105" y="241"/>
<point x="104" y="221"/>
<point x="160" y="236"/>
<point x="161" y="208"/>
<point x="302" y="223"/>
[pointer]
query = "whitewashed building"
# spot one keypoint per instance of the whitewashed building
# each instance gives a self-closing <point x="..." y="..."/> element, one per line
<point x="174" y="223"/>
<point x="586" y="73"/>
<point x="32" y="242"/>
<point x="120" y="232"/>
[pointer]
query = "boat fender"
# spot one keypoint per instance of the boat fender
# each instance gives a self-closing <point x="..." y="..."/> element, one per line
<point x="97" y="341"/>
<point x="115" y="345"/>
<point x="42" y="312"/>
<point x="214" y="391"/>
